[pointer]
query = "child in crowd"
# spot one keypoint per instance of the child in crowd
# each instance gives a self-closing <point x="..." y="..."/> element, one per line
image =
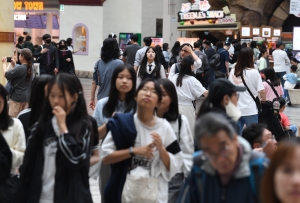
<point x="290" y="82"/>
<point x="285" y="122"/>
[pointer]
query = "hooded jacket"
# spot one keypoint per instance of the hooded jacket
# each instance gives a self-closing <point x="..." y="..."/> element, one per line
<point x="203" y="184"/>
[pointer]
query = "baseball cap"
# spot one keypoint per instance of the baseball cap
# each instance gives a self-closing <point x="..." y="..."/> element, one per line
<point x="227" y="43"/>
<point x="279" y="43"/>
<point x="221" y="87"/>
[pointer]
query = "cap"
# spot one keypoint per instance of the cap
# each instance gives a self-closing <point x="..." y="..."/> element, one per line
<point x="221" y="87"/>
<point x="227" y="43"/>
<point x="279" y="43"/>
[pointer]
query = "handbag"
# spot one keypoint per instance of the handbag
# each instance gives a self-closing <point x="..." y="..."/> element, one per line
<point x="256" y="99"/>
<point x="140" y="190"/>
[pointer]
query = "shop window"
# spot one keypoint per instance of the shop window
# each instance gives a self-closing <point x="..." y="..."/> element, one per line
<point x="81" y="39"/>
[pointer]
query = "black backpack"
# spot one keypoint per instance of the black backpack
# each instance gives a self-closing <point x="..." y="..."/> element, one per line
<point x="215" y="62"/>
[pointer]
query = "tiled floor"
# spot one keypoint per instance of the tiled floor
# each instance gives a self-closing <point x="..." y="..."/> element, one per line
<point x="292" y="112"/>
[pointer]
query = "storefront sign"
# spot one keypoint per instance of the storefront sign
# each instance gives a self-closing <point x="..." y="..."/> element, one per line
<point x="295" y="7"/>
<point x="7" y="36"/>
<point x="20" y="17"/>
<point x="227" y="19"/>
<point x="191" y="41"/>
<point x="157" y="41"/>
<point x="29" y="5"/>
<point x="296" y="39"/>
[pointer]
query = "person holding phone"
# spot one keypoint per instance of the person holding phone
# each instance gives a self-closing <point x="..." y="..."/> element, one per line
<point x="47" y="56"/>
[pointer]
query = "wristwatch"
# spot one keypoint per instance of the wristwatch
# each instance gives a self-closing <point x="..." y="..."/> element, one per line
<point x="131" y="152"/>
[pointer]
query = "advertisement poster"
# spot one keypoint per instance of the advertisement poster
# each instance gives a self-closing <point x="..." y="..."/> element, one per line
<point x="296" y="39"/>
<point x="246" y="31"/>
<point x="157" y="41"/>
<point x="266" y="32"/>
<point x="124" y="38"/>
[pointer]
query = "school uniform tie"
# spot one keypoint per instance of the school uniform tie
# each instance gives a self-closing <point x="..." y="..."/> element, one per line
<point x="150" y="68"/>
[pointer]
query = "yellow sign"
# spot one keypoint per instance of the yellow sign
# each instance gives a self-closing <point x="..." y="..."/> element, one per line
<point x="29" y="5"/>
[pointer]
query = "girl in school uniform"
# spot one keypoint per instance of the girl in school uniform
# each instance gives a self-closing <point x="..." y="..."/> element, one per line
<point x="150" y="67"/>
<point x="120" y="99"/>
<point x="142" y="145"/>
<point x="188" y="89"/>
<point x="57" y="158"/>
<point x="168" y="109"/>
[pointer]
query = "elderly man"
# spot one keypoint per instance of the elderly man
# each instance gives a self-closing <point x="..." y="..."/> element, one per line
<point x="227" y="170"/>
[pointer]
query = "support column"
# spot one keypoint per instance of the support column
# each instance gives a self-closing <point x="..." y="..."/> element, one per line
<point x="49" y="23"/>
<point x="6" y="25"/>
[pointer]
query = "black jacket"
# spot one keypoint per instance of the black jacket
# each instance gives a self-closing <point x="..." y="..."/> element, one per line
<point x="5" y="159"/>
<point x="54" y="61"/>
<point x="72" y="175"/>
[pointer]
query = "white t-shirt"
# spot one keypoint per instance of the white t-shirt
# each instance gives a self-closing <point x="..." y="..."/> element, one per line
<point x="155" y="167"/>
<point x="253" y="80"/>
<point x="190" y="90"/>
<point x="186" y="143"/>
<point x="281" y="61"/>
<point x="48" y="177"/>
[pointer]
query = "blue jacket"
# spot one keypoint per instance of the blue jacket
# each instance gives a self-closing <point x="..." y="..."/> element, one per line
<point x="203" y="184"/>
<point x="124" y="134"/>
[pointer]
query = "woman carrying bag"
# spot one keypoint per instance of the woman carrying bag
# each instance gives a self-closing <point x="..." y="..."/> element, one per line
<point x="143" y="151"/>
<point x="244" y="74"/>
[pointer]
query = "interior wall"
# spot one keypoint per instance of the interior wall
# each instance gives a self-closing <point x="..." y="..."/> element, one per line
<point x="92" y="18"/>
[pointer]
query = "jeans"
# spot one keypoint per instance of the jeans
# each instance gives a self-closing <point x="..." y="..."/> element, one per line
<point x="248" y="120"/>
<point x="286" y="94"/>
<point x="280" y="76"/>
<point x="294" y="129"/>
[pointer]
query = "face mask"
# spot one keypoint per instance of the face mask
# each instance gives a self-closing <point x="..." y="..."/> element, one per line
<point x="232" y="111"/>
<point x="48" y="41"/>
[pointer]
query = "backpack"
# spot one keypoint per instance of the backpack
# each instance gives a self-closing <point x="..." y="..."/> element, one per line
<point x="215" y="62"/>
<point x="173" y="60"/>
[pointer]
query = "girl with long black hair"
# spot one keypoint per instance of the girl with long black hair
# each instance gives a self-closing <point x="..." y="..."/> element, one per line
<point x="188" y="89"/>
<point x="31" y="115"/>
<point x="168" y="109"/>
<point x="272" y="80"/>
<point x="66" y="62"/>
<point x="120" y="100"/>
<point x="150" y="67"/>
<point x="143" y="147"/>
<point x="57" y="158"/>
<point x="13" y="133"/>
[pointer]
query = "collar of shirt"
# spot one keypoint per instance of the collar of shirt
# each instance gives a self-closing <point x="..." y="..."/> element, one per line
<point x="121" y="106"/>
<point x="152" y="67"/>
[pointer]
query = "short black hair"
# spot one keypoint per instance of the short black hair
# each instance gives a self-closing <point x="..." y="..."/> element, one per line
<point x="207" y="42"/>
<point x="147" y="41"/>
<point x="281" y="101"/>
<point x="28" y="38"/>
<point x="69" y="41"/>
<point x="279" y="43"/>
<point x="134" y="38"/>
<point x="197" y="44"/>
<point x="20" y="39"/>
<point x="294" y="68"/>
<point x="46" y="36"/>
<point x="253" y="133"/>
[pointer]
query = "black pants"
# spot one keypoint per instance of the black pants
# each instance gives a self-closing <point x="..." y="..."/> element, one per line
<point x="8" y="189"/>
<point x="49" y="70"/>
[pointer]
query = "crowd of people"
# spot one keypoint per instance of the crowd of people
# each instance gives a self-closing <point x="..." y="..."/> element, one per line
<point x="146" y="139"/>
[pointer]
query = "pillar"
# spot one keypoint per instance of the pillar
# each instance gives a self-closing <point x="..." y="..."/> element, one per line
<point x="49" y="23"/>
<point x="6" y="25"/>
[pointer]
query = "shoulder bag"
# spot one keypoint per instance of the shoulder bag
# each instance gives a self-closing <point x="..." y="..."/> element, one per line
<point x="256" y="100"/>
<point x="274" y="90"/>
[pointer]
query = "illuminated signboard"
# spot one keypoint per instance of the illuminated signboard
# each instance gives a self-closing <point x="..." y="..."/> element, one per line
<point x="21" y="17"/>
<point x="29" y="5"/>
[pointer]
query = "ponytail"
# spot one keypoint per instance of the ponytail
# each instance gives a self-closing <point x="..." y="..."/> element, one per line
<point x="29" y="70"/>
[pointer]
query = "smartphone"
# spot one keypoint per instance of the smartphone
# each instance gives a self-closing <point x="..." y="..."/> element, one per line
<point x="8" y="59"/>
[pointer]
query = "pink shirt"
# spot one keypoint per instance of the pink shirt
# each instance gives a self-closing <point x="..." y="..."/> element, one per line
<point x="285" y="122"/>
<point x="270" y="95"/>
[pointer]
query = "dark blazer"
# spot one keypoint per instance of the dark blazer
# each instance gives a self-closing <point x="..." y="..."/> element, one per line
<point x="54" y="61"/>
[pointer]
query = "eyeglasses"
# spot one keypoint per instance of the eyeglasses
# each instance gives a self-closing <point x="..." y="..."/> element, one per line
<point x="223" y="152"/>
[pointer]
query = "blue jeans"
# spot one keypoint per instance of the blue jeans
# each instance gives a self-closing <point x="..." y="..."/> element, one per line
<point x="286" y="94"/>
<point x="280" y="76"/>
<point x="248" y="120"/>
<point x="294" y="129"/>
